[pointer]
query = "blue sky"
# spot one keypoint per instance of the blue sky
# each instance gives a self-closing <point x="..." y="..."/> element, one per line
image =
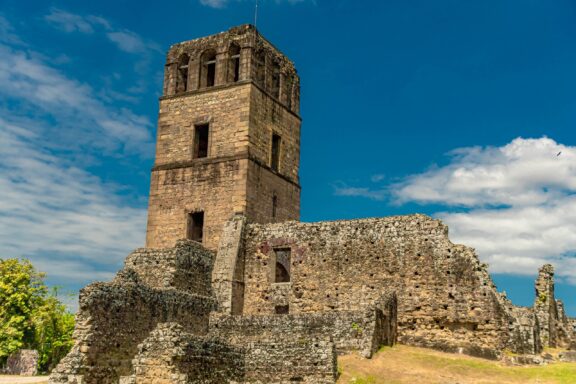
<point x="461" y="110"/>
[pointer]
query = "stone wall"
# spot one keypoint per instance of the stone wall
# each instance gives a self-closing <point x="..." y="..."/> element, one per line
<point x="555" y="329"/>
<point x="24" y="362"/>
<point x="572" y="326"/>
<point x="288" y="360"/>
<point x="446" y="299"/>
<point x="170" y="355"/>
<point x="364" y="331"/>
<point x="115" y="317"/>
<point x="267" y="117"/>
<point x="243" y="114"/>
<point x="215" y="185"/>
<point x="524" y="331"/>
<point x="150" y="325"/>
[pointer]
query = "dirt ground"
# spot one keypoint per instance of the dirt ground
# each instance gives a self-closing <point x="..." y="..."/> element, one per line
<point x="4" y="379"/>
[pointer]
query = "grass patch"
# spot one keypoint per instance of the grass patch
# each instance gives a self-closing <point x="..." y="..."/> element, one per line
<point x="403" y="365"/>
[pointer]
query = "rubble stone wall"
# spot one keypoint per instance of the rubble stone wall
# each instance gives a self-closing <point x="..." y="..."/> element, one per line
<point x="115" y="317"/>
<point x="364" y="331"/>
<point x="524" y="330"/>
<point x="150" y="325"/>
<point x="24" y="362"/>
<point x="170" y="355"/>
<point x="555" y="328"/>
<point x="446" y="299"/>
<point x="288" y="360"/>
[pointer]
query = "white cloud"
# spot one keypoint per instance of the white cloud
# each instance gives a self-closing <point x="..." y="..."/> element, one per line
<point x="523" y="172"/>
<point x="35" y="83"/>
<point x="128" y="41"/>
<point x="7" y="34"/>
<point x="214" y="3"/>
<point x="66" y="220"/>
<point x="518" y="203"/>
<point x="125" y="40"/>
<point x="223" y="3"/>
<point x="345" y="190"/>
<point x="69" y="22"/>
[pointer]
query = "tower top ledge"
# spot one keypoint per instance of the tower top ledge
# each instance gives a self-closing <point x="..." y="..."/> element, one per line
<point x="246" y="36"/>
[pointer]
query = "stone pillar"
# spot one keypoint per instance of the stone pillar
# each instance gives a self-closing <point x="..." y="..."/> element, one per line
<point x="545" y="306"/>
<point x="228" y="272"/>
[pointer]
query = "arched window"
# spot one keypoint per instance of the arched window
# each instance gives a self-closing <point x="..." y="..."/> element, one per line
<point x="260" y="71"/>
<point x="275" y="81"/>
<point x="208" y="69"/>
<point x="282" y="275"/>
<point x="274" y="205"/>
<point x="234" y="63"/>
<point x="282" y="265"/>
<point x="182" y="74"/>
<point x="288" y="87"/>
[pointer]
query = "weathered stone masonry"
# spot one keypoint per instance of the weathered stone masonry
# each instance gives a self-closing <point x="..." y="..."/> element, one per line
<point x="257" y="298"/>
<point x="151" y="325"/>
<point x="244" y="93"/>
<point x="446" y="299"/>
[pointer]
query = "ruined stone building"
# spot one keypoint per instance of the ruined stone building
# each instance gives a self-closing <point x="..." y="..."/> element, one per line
<point x="231" y="288"/>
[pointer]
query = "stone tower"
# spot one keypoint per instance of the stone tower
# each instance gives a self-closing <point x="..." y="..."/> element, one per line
<point x="228" y="138"/>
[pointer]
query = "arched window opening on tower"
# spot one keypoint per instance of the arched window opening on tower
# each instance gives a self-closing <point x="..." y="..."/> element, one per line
<point x="201" y="135"/>
<point x="288" y="87"/>
<point x="182" y="74"/>
<point x="275" y="86"/>
<point x="195" y="230"/>
<point x="275" y="152"/>
<point x="260" y="72"/>
<point x="208" y="69"/>
<point x="234" y="63"/>
<point x="282" y="270"/>
<point x="274" y="205"/>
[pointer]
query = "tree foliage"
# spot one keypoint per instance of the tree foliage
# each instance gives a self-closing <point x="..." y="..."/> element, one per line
<point x="30" y="316"/>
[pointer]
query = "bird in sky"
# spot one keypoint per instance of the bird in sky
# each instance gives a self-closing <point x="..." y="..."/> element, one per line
<point x="559" y="153"/>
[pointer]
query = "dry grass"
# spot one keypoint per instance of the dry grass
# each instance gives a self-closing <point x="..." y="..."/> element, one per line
<point x="6" y="379"/>
<point x="409" y="365"/>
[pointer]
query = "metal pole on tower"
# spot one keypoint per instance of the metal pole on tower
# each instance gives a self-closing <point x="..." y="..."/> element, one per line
<point x="256" y="14"/>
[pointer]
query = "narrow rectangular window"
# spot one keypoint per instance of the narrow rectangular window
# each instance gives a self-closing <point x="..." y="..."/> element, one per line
<point x="195" y="226"/>
<point x="282" y="309"/>
<point x="201" y="141"/>
<point x="260" y="64"/>
<point x="274" y="206"/>
<point x="211" y="73"/>
<point x="276" y="82"/>
<point x="236" y="67"/>
<point x="282" y="270"/>
<point x="275" y="161"/>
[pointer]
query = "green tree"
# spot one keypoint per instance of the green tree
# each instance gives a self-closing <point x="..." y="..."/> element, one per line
<point x="53" y="326"/>
<point x="29" y="316"/>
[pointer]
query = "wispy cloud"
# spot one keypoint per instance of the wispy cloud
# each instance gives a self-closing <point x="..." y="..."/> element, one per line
<point x="218" y="4"/>
<point x="342" y="189"/>
<point x="7" y="33"/>
<point x="71" y="223"/>
<point x="69" y="22"/>
<point x="214" y="3"/>
<point x="32" y="82"/>
<point x="518" y="202"/>
<point x="125" y="40"/>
